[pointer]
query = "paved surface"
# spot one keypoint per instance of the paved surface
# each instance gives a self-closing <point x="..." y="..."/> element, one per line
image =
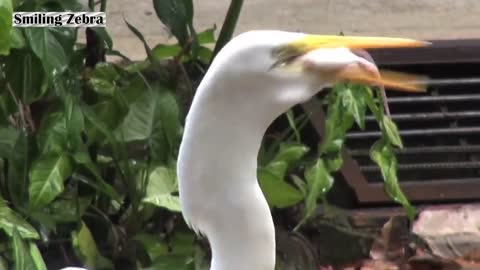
<point x="424" y="19"/>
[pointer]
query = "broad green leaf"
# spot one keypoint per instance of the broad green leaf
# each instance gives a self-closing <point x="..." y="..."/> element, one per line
<point x="207" y="36"/>
<point x="46" y="179"/>
<point x="86" y="249"/>
<point x="75" y="123"/>
<point x="354" y="102"/>
<point x="52" y="134"/>
<point x="169" y="115"/>
<point x="176" y="262"/>
<point x="319" y="182"/>
<point x="162" y="182"/>
<point x="83" y="158"/>
<point x="18" y="164"/>
<point x="45" y="223"/>
<point x="100" y="125"/>
<point x="6" y="10"/>
<point x="176" y="15"/>
<point x="47" y="46"/>
<point x="153" y="117"/>
<point x="290" y="153"/>
<point x="9" y="220"/>
<point x="25" y="75"/>
<point x="70" y="210"/>
<point x="106" y="71"/>
<point x="301" y="185"/>
<point x="8" y="139"/>
<point x="205" y="54"/>
<point x="337" y="123"/>
<point x="21" y="255"/>
<point x="278" y="193"/>
<point x="277" y="168"/>
<point x="101" y="119"/>
<point x="181" y="244"/>
<point x="162" y="51"/>
<point x="382" y="153"/>
<point x="37" y="257"/>
<point x="17" y="40"/>
<point x="103" y="79"/>
<point x="167" y="201"/>
<point x="391" y="131"/>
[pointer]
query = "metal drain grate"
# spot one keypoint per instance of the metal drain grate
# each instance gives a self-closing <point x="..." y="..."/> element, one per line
<point x="440" y="129"/>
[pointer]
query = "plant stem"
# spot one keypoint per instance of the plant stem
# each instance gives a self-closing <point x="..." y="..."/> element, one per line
<point x="103" y="5"/>
<point x="91" y="5"/>
<point x="228" y="25"/>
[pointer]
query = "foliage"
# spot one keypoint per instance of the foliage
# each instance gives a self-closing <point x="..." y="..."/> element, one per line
<point x="88" y="151"/>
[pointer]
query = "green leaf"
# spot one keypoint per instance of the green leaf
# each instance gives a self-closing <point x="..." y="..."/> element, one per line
<point x="71" y="210"/>
<point x="46" y="179"/>
<point x="25" y="75"/>
<point x="106" y="71"/>
<point x="354" y="102"/>
<point x="319" y="182"/>
<point x="177" y="15"/>
<point x="207" y="36"/>
<point x="37" y="257"/>
<point x="290" y="153"/>
<point x="52" y="134"/>
<point x="153" y="117"/>
<point x="47" y="46"/>
<point x="205" y="54"/>
<point x="102" y="118"/>
<point x="162" y="182"/>
<point x="86" y="249"/>
<point x="181" y="244"/>
<point x="8" y="139"/>
<point x="74" y="121"/>
<point x="382" y="153"/>
<point x="83" y="158"/>
<point x="162" y="51"/>
<point x="10" y="220"/>
<point x="6" y="11"/>
<point x="103" y="79"/>
<point x="277" y="168"/>
<point x="278" y="193"/>
<point x="391" y="131"/>
<point x="18" y="164"/>
<point x="21" y="254"/>
<point x="17" y="40"/>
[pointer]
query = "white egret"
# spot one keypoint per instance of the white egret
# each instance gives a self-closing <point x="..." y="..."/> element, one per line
<point x="255" y="78"/>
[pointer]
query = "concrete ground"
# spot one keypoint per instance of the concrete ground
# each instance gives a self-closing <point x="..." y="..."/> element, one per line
<point x="424" y="19"/>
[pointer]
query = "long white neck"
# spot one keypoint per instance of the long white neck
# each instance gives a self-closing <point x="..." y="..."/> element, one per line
<point x="217" y="167"/>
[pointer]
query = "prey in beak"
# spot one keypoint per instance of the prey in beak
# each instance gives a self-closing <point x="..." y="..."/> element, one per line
<point x="341" y="58"/>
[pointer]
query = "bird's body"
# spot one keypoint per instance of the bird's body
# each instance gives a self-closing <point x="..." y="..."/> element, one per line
<point x="239" y="97"/>
<point x="217" y="163"/>
<point x="254" y="79"/>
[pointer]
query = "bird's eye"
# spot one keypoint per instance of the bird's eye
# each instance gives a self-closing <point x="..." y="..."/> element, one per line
<point x="284" y="56"/>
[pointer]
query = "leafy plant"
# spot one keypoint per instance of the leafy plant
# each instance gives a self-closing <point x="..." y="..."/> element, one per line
<point x="88" y="147"/>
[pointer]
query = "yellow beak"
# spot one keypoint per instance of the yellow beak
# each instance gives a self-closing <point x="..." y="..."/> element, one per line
<point x="312" y="42"/>
<point x="363" y="73"/>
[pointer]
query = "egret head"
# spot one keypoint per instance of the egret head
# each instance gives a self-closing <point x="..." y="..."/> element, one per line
<point x="286" y="68"/>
